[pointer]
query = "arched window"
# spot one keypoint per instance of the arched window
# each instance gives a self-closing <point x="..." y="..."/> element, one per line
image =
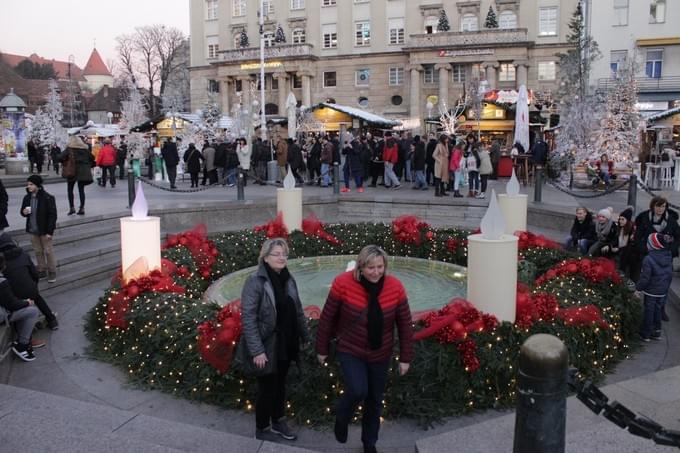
<point x="271" y="109"/>
<point x="268" y="38"/>
<point x="299" y="36"/>
<point x="469" y="22"/>
<point x="507" y="19"/>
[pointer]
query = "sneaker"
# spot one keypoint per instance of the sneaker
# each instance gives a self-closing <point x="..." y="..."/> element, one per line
<point x="656" y="337"/>
<point x="397" y="187"/>
<point x="370" y="449"/>
<point x="37" y="344"/>
<point x="645" y="339"/>
<point x="23" y="352"/>
<point x="360" y="190"/>
<point x="481" y="195"/>
<point x="53" y="324"/>
<point x="345" y="190"/>
<point x="52" y="278"/>
<point x="281" y="428"/>
<point x="340" y="431"/>
<point x="265" y="434"/>
<point x="42" y="274"/>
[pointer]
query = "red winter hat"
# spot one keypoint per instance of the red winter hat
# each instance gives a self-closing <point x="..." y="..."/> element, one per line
<point x="656" y="241"/>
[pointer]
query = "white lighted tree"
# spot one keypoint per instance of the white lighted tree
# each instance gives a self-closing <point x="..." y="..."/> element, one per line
<point x="46" y="128"/>
<point x="133" y="113"/>
<point x="449" y="119"/>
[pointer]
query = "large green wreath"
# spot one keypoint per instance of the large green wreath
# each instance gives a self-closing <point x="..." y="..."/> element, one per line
<point x="158" y="349"/>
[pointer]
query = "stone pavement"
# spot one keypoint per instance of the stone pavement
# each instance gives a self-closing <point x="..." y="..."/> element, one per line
<point x="90" y="408"/>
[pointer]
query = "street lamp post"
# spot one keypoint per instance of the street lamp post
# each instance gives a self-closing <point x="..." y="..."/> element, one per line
<point x="109" y="115"/>
<point x="263" y="119"/>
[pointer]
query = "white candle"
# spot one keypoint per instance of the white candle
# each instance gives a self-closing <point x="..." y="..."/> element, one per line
<point x="140" y="240"/>
<point x="492" y="275"/>
<point x="492" y="266"/>
<point x="289" y="202"/>
<point x="514" y="209"/>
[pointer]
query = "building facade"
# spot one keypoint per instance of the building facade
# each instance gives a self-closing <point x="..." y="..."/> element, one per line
<point x="646" y="30"/>
<point x="385" y="56"/>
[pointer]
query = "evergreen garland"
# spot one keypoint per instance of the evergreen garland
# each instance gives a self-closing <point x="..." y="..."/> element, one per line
<point x="443" y="24"/>
<point x="159" y="349"/>
<point x="491" y="20"/>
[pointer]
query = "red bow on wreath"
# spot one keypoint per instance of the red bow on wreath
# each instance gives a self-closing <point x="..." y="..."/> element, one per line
<point x="409" y="229"/>
<point x="202" y="250"/>
<point x="217" y="338"/>
<point x="312" y="226"/>
<point x="274" y="228"/>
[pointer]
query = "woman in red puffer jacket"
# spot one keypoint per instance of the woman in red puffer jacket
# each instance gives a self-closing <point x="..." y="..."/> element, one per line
<point x="107" y="161"/>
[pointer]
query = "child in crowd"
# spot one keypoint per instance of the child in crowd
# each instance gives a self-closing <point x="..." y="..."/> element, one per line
<point x="606" y="234"/>
<point x="654" y="283"/>
<point x="582" y="234"/>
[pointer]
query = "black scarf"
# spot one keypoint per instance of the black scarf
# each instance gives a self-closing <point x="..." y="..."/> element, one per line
<point x="375" y="314"/>
<point x="286" y="317"/>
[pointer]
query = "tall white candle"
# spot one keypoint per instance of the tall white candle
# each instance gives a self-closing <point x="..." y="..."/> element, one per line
<point x="514" y="206"/>
<point x="289" y="203"/>
<point x="492" y="266"/>
<point x="140" y="240"/>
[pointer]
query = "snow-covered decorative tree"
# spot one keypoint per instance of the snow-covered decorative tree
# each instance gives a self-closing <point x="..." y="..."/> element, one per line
<point x="243" y="39"/>
<point x="280" y="37"/>
<point x="449" y="119"/>
<point x="474" y="92"/>
<point x="443" y="24"/>
<point x="40" y="128"/>
<point x="619" y="136"/>
<point x="46" y="128"/>
<point x="210" y="117"/>
<point x="133" y="113"/>
<point x="579" y="109"/>
<point x="491" y="20"/>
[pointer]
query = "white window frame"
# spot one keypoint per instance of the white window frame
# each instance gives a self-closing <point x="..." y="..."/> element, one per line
<point x="654" y="62"/>
<point x="507" y="20"/>
<point x="329" y="36"/>
<point x="297" y="4"/>
<point x="616" y="59"/>
<point x="396" y="31"/>
<point x="621" y="8"/>
<point x="547" y="71"/>
<point x="458" y="73"/>
<point x="213" y="49"/>
<point x="361" y="1"/>
<point x="654" y="7"/>
<point x="323" y="79"/>
<point x="430" y="75"/>
<point x="395" y="76"/>
<point x="357" y="75"/>
<point x="298" y="36"/>
<point x="269" y="37"/>
<point x="507" y="72"/>
<point x="430" y="21"/>
<point x="238" y="8"/>
<point x="362" y="33"/>
<point x="325" y="3"/>
<point x="211" y="9"/>
<point x="237" y="40"/>
<point x="469" y="22"/>
<point x="547" y="21"/>
<point x="268" y="7"/>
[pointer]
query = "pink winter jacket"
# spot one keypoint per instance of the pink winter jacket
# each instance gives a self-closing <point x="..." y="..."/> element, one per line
<point x="454" y="164"/>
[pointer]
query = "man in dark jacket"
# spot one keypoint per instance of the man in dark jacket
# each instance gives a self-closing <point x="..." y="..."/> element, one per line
<point x="539" y="152"/>
<point x="23" y="277"/>
<point x="429" y="159"/>
<point x="171" y="159"/>
<point x="230" y="165"/>
<point x="22" y="313"/>
<point x="419" y="163"/>
<point x="4" y="201"/>
<point x="582" y="234"/>
<point x="221" y="161"/>
<point x="40" y="211"/>
<point x="654" y="282"/>
<point x="121" y="155"/>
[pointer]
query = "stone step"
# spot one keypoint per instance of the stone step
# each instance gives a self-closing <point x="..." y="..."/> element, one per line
<point x="76" y="426"/>
<point x="78" y="275"/>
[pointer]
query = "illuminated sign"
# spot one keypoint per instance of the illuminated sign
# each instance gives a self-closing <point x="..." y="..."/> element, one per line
<point x="268" y="64"/>
<point x="466" y="52"/>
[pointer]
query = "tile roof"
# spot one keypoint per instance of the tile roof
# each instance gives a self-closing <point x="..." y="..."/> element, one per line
<point x="95" y="65"/>
<point x="60" y="67"/>
<point x="107" y="99"/>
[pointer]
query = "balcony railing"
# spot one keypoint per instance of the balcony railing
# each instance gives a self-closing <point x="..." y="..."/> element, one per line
<point x="276" y="51"/>
<point x="645" y="84"/>
<point x="468" y="38"/>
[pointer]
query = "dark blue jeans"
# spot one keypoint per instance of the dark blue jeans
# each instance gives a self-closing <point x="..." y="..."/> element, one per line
<point x="363" y="382"/>
<point x="651" y="324"/>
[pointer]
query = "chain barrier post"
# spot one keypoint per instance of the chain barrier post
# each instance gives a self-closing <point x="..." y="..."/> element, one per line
<point x="632" y="192"/>
<point x="540" y="420"/>
<point x="538" y="184"/>
<point x="336" y="178"/>
<point x="240" y="195"/>
<point x="131" y="187"/>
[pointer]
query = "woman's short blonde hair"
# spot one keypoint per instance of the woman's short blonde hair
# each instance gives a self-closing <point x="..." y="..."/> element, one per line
<point x="366" y="255"/>
<point x="269" y="245"/>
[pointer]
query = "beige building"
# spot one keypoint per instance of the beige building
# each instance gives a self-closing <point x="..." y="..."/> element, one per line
<point x="385" y="56"/>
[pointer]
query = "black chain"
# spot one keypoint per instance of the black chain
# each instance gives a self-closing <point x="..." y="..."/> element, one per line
<point x="620" y="415"/>
<point x="608" y="191"/>
<point x="651" y="192"/>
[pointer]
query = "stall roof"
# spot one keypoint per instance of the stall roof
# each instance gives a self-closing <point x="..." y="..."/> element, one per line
<point x="370" y="118"/>
<point x="101" y="130"/>
<point x="663" y="115"/>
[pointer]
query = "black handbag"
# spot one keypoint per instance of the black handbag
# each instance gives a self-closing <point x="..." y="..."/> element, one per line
<point x="244" y="360"/>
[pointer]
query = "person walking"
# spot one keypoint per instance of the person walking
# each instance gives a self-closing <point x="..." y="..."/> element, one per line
<point x="209" y="171"/>
<point x="231" y="163"/>
<point x="32" y="151"/>
<point x="171" y="159"/>
<point x="77" y="162"/>
<point x="106" y="160"/>
<point x="121" y="155"/>
<point x="654" y="282"/>
<point x="363" y="308"/>
<point x="55" y="151"/>
<point x="429" y="159"/>
<point x="419" y="158"/>
<point x="40" y="211"/>
<point x="326" y="159"/>
<point x="245" y="154"/>
<point x="282" y="158"/>
<point x="441" y="166"/>
<point x="274" y="326"/>
<point x="314" y="162"/>
<point x="485" y="170"/>
<point x="192" y="159"/>
<point x="353" y="166"/>
<point x="391" y="157"/>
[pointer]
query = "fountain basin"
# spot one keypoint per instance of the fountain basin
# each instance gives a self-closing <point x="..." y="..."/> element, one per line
<point x="429" y="284"/>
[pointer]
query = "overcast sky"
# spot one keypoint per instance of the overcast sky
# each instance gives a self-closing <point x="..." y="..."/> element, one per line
<point x="55" y="29"/>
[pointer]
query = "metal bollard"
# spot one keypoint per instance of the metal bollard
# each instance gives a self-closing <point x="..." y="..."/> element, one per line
<point x="336" y="178"/>
<point x="131" y="187"/>
<point x="540" y="420"/>
<point x="240" y="195"/>
<point x="538" y="184"/>
<point x="632" y="192"/>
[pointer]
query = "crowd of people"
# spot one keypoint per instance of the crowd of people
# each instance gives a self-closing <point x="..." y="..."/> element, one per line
<point x="643" y="247"/>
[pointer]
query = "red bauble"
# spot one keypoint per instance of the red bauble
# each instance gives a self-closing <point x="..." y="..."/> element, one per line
<point x="205" y="273"/>
<point x="458" y="329"/>
<point x="429" y="235"/>
<point x="572" y="268"/>
<point x="132" y="291"/>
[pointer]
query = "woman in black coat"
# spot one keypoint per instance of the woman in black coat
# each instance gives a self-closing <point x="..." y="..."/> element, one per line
<point x="192" y="159"/>
<point x="657" y="219"/>
<point x="353" y="166"/>
<point x="83" y="161"/>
